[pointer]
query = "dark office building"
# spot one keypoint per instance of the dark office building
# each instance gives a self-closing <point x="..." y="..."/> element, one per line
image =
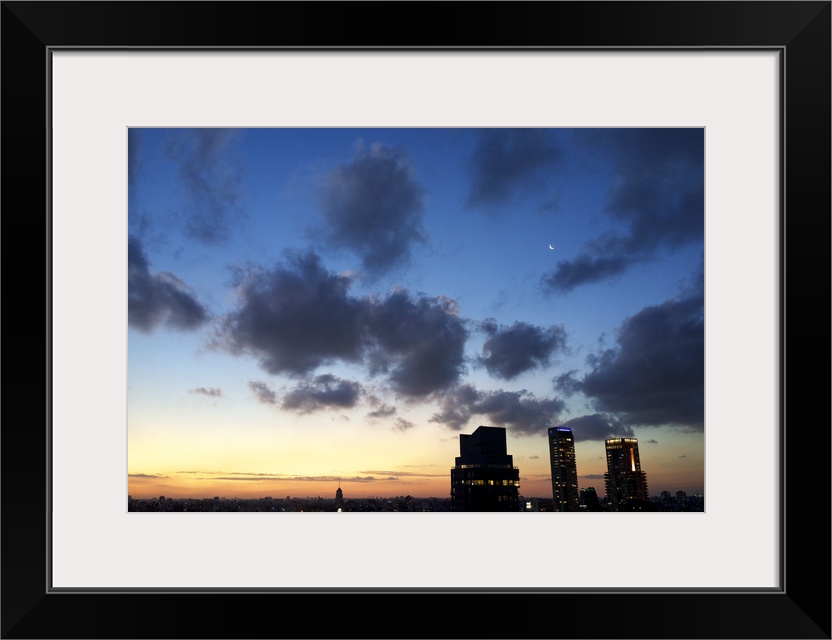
<point x="484" y="478"/>
<point x="625" y="482"/>
<point x="564" y="471"/>
<point x="589" y="499"/>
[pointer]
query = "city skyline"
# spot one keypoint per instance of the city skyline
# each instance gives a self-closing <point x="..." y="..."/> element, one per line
<point x="309" y="307"/>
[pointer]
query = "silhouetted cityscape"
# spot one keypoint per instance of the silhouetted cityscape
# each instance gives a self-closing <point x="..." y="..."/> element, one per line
<point x="484" y="479"/>
<point x="388" y="307"/>
<point x="666" y="502"/>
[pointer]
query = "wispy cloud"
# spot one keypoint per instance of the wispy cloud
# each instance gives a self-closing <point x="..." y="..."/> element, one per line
<point x="404" y="474"/>
<point x="210" y="180"/>
<point x="134" y="155"/>
<point x="262" y="392"/>
<point x="403" y="425"/>
<point x="211" y="392"/>
<point x="381" y="409"/>
<point x="508" y="162"/>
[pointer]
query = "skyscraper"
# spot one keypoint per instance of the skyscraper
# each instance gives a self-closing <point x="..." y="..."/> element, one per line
<point x="625" y="482"/>
<point x="484" y="478"/>
<point x="564" y="472"/>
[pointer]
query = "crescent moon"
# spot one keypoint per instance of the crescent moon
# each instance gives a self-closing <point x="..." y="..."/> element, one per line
<point x="551" y="247"/>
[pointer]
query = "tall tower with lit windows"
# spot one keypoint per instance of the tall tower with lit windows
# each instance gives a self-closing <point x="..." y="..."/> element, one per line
<point x="625" y="482"/>
<point x="484" y="478"/>
<point x="564" y="471"/>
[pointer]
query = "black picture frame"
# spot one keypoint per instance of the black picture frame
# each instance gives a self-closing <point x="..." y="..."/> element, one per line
<point x="799" y="31"/>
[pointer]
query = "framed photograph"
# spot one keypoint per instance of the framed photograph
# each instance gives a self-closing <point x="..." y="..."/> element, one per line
<point x="313" y="307"/>
<point x="387" y="299"/>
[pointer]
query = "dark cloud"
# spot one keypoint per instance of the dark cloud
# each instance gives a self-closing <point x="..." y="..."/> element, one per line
<point x="652" y="441"/>
<point x="295" y="318"/>
<point x="144" y="475"/>
<point x="322" y="392"/>
<point x="593" y="476"/>
<point x="298" y="317"/>
<point x="510" y="351"/>
<point x="373" y="207"/>
<point x="658" y="198"/>
<point x="158" y="299"/>
<point x="524" y="413"/>
<point x="210" y="179"/>
<point x="511" y="161"/>
<point x="597" y="427"/>
<point x="656" y="373"/>
<point x="262" y="392"/>
<point x="457" y="407"/>
<point x="418" y="342"/>
<point x="211" y="392"/>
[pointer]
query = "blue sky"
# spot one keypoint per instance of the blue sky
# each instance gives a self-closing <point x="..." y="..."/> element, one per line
<point x="315" y="306"/>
